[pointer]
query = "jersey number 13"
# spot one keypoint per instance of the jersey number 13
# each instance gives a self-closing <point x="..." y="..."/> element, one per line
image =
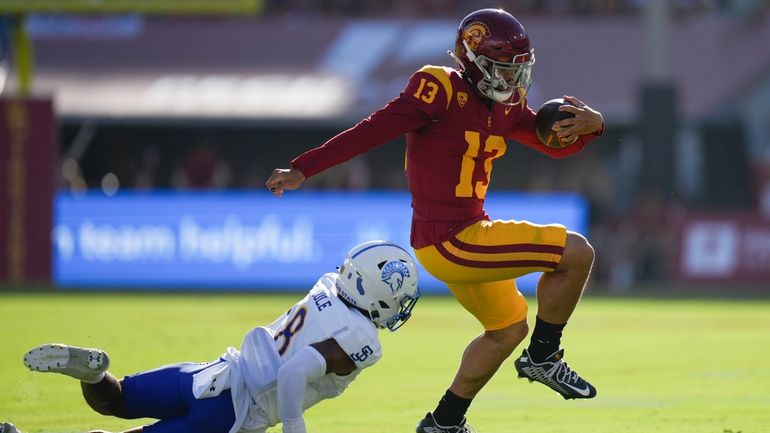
<point x="495" y="147"/>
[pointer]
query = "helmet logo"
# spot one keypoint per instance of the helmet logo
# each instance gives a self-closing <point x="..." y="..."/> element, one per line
<point x="359" y="285"/>
<point x="393" y="274"/>
<point x="475" y="33"/>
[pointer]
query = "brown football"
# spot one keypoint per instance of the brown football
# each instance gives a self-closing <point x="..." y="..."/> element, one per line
<point x="547" y="115"/>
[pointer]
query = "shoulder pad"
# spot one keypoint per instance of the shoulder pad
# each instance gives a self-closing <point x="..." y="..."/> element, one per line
<point x="442" y="75"/>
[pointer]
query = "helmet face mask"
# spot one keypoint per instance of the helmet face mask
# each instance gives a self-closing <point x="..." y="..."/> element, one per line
<point x="506" y="83"/>
<point x="492" y="49"/>
<point x="406" y="304"/>
<point x="380" y="278"/>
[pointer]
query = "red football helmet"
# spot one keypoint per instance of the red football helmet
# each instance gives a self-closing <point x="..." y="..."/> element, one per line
<point x="492" y="49"/>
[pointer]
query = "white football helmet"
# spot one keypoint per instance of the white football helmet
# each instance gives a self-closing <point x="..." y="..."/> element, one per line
<point x="380" y="278"/>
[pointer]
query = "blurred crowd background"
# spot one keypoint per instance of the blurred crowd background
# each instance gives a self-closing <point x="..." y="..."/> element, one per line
<point x="217" y="102"/>
<point x="449" y="8"/>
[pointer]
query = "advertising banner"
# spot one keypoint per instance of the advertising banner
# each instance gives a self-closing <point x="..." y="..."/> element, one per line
<point x="247" y="241"/>
<point x="725" y="248"/>
<point x="26" y="189"/>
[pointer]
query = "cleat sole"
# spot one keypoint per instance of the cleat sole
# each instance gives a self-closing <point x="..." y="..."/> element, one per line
<point x="80" y="363"/>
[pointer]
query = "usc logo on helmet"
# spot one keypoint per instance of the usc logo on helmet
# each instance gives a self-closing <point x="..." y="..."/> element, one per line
<point x="475" y="33"/>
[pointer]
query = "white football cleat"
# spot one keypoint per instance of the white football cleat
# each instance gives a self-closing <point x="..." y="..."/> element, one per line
<point x="87" y="365"/>
<point x="6" y="427"/>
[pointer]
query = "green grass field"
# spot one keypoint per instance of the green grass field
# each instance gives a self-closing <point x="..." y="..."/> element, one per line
<point x="661" y="366"/>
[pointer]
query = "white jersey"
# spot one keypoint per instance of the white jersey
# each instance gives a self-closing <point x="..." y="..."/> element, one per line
<point x="251" y="373"/>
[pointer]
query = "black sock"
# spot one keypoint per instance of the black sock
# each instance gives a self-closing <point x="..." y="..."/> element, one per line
<point x="451" y="410"/>
<point x="546" y="339"/>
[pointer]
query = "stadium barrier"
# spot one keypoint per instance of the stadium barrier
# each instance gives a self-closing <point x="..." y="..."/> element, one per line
<point x="247" y="240"/>
<point x="725" y="248"/>
<point x="27" y="149"/>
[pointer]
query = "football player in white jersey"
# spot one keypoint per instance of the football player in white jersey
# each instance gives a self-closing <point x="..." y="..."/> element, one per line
<point x="310" y="353"/>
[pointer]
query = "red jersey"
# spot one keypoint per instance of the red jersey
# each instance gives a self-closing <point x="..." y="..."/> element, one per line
<point x="452" y="137"/>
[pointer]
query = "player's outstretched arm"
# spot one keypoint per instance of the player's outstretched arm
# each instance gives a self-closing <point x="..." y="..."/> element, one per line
<point x="586" y="121"/>
<point x="305" y="366"/>
<point x="283" y="179"/>
<point x="309" y="364"/>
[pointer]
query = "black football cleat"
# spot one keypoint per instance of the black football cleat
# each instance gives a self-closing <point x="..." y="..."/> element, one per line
<point x="429" y="425"/>
<point x="556" y="374"/>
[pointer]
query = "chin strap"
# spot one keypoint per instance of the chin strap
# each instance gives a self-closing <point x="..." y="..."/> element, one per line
<point x="472" y="57"/>
<point x="359" y="309"/>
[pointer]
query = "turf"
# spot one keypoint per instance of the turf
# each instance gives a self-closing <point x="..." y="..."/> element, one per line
<point x="659" y="365"/>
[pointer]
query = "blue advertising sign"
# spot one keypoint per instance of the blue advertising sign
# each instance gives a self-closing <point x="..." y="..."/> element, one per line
<point x="248" y="240"/>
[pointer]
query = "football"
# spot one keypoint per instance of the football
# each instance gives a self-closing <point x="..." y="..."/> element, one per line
<point x="547" y="115"/>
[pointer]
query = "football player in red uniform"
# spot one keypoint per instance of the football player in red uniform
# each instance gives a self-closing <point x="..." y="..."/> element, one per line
<point x="457" y="122"/>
